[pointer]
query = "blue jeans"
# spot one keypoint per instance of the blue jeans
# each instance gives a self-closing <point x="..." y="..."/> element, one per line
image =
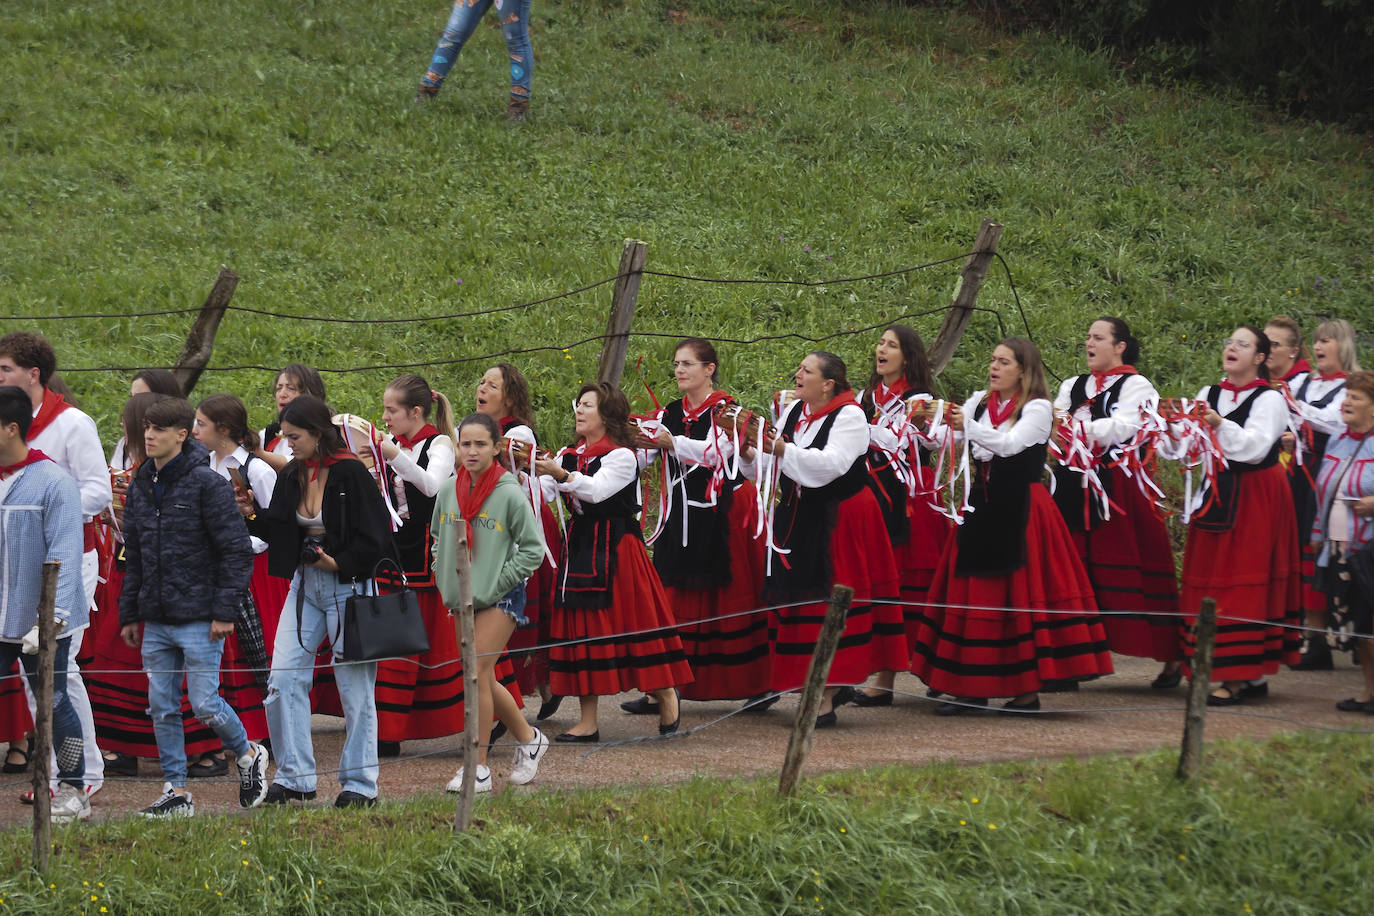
<point x="172" y="651"/>
<point x="462" y="22"/>
<point x="288" y="688"/>
<point x="66" y="727"/>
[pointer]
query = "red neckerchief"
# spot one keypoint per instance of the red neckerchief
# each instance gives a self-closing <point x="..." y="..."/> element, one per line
<point x="471" y="496"/>
<point x="33" y="457"/>
<point x="586" y="453"/>
<point x="1301" y="365"/>
<point x="315" y="464"/>
<point x="835" y="403"/>
<point x="1123" y="369"/>
<point x="53" y="404"/>
<point x="1348" y="434"/>
<point x="508" y="423"/>
<point x="1226" y="385"/>
<point x="884" y="393"/>
<point x="999" y="411"/>
<point x="420" y="436"/>
<point x="691" y="414"/>
<point x="1333" y="377"/>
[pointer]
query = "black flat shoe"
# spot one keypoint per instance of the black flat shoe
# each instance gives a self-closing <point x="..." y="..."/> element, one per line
<point x="1059" y="687"/>
<point x="1354" y="705"/>
<point x="670" y="728"/>
<point x="758" y="704"/>
<point x="388" y="748"/>
<point x="549" y="707"/>
<point x="642" y="706"/>
<point x="842" y="696"/>
<point x="1167" y="681"/>
<point x="965" y="707"/>
<point x="1224" y="696"/>
<point x="827" y="720"/>
<point x="351" y="799"/>
<point x="206" y="767"/>
<point x="872" y="699"/>
<point x="120" y="764"/>
<point x="1255" y="691"/>
<point x="570" y="738"/>
<point x="1011" y="707"/>
<point x="279" y="795"/>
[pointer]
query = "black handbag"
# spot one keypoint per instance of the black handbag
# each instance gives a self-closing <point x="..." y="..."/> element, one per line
<point x="383" y="626"/>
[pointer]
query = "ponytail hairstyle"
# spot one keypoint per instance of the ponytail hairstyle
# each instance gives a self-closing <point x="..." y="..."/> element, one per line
<point x="1262" y="345"/>
<point x="614" y="409"/>
<point x="131" y="419"/>
<point x="228" y="413"/>
<point x="915" y="366"/>
<point x="516" y="390"/>
<point x="1121" y="333"/>
<point x="414" y="391"/>
<point x="1032" y="371"/>
<point x="703" y="350"/>
<point x="312" y="415"/>
<point x="833" y="368"/>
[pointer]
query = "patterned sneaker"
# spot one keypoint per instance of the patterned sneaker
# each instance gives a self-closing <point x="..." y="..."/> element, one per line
<point x="170" y="804"/>
<point x="425" y="92"/>
<point x="517" y="108"/>
<point x="70" y="804"/>
<point x="479" y="785"/>
<point x="527" y="757"/>
<point x="253" y="776"/>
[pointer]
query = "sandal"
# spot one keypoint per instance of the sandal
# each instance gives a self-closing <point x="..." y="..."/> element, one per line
<point x="22" y="764"/>
<point x="1225" y="696"/>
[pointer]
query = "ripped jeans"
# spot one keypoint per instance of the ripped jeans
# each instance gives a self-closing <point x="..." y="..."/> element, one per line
<point x="172" y="651"/>
<point x="462" y="22"/>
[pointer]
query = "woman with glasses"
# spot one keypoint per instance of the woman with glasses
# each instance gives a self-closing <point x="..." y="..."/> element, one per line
<point x="1242" y="545"/>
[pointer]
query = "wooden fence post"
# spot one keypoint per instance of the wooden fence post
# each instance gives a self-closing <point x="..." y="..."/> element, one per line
<point x="799" y="745"/>
<point x="467" y="642"/>
<point x="42" y="724"/>
<point x="966" y="296"/>
<point x="1190" y="757"/>
<point x="200" y="343"/>
<point x="617" y="341"/>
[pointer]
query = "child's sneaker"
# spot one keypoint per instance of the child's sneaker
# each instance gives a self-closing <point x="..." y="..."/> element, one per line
<point x="170" y="804"/>
<point x="253" y="776"/>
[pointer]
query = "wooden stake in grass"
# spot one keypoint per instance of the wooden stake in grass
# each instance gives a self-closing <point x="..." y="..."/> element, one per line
<point x="799" y="745"/>
<point x="467" y="642"/>
<point x="966" y="296"/>
<point x="42" y="725"/>
<point x="200" y="343"/>
<point x="617" y="342"/>
<point x="1190" y="757"/>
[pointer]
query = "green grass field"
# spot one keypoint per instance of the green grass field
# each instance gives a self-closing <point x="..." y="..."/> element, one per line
<point x="145" y="144"/>
<point x="1265" y="831"/>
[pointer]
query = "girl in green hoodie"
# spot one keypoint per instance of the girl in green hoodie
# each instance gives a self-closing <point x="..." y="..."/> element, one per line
<point x="506" y="546"/>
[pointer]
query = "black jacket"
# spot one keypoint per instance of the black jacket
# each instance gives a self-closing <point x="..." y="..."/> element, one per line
<point x="188" y="557"/>
<point x="357" y="528"/>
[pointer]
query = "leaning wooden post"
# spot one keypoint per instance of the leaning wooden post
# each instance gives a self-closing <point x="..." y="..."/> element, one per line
<point x="799" y="745"/>
<point x="965" y="296"/>
<point x="1190" y="758"/>
<point x="467" y="642"/>
<point x="617" y="341"/>
<point x="42" y="724"/>
<point x="200" y="343"/>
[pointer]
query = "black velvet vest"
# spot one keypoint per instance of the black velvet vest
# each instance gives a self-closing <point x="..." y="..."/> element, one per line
<point x="1219" y="512"/>
<point x="1068" y="485"/>
<point x="586" y="571"/>
<point x="992" y="539"/>
<point x="704" y="563"/>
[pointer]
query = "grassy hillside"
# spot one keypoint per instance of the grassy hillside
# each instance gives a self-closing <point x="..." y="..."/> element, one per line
<point x="146" y="143"/>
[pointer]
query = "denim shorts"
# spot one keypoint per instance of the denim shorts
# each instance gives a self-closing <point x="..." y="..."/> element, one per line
<point x="513" y="603"/>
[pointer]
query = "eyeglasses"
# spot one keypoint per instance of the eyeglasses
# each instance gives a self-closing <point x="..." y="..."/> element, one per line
<point x="1239" y="344"/>
<point x="684" y="364"/>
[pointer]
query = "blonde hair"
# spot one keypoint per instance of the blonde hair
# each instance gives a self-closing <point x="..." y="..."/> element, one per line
<point x="1343" y="333"/>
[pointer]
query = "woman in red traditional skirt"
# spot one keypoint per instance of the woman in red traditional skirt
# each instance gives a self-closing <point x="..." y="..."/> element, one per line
<point x="707" y="556"/>
<point x="611" y="608"/>
<point x="827" y="530"/>
<point x="504" y="395"/>
<point x="1242" y="546"/>
<point x="1318" y="397"/>
<point x="901" y="372"/>
<point x="995" y="625"/>
<point x="1124" y="545"/>
<point x="222" y="427"/>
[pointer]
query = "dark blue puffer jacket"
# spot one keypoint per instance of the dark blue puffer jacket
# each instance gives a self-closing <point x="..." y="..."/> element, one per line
<point x="188" y="555"/>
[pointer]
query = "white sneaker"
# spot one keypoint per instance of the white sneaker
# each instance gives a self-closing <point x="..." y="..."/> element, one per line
<point x="253" y="776"/>
<point x="527" y="757"/>
<point x="170" y="804"/>
<point x="70" y="804"/>
<point x="479" y="785"/>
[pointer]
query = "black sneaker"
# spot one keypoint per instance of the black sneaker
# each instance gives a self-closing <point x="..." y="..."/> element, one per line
<point x="252" y="768"/>
<point x="170" y="804"/>
<point x="351" y="799"/>
<point x="278" y="794"/>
